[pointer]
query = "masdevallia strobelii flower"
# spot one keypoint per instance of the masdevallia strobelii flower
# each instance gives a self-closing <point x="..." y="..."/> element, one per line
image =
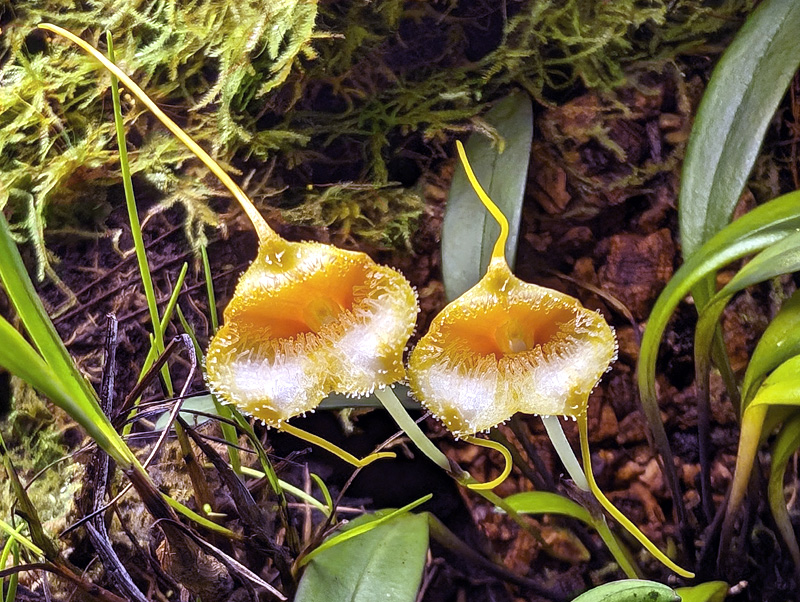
<point x="508" y="346"/>
<point x="306" y="319"/>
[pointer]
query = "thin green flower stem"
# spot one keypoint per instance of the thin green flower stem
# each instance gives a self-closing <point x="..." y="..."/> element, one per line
<point x="624" y="521"/>
<point x="565" y="451"/>
<point x="151" y="353"/>
<point x="212" y="299"/>
<point x="395" y="408"/>
<point x="133" y="217"/>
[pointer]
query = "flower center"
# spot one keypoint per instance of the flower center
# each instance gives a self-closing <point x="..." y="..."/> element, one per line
<point x="320" y="312"/>
<point x="513" y="337"/>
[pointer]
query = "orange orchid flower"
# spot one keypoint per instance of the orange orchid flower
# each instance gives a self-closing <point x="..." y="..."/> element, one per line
<point x="508" y="346"/>
<point x="306" y="319"/>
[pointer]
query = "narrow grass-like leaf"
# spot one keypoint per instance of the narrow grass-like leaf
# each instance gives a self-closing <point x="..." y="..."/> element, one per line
<point x="368" y="525"/>
<point x="212" y="298"/>
<point x="15" y="535"/>
<point x="20" y="359"/>
<point x="133" y="218"/>
<point x="325" y="493"/>
<point x="11" y="549"/>
<point x="36" y="320"/>
<point x="786" y="444"/>
<point x="744" y="91"/>
<point x="468" y="232"/>
<point x="545" y="502"/>
<point x="385" y="563"/>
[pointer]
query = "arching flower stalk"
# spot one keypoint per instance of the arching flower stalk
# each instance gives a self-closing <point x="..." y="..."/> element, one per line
<point x="306" y="319"/>
<point x="508" y="346"/>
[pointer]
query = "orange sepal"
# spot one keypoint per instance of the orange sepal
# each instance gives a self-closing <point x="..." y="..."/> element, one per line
<point x="306" y="320"/>
<point x="508" y="346"/>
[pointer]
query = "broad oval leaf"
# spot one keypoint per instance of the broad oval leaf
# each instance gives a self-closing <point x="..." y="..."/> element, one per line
<point x="468" y="231"/>
<point x="384" y="564"/>
<point x="630" y="590"/>
<point x="742" y="96"/>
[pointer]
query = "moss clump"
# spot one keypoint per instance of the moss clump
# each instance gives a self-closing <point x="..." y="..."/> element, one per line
<point x="35" y="439"/>
<point x="350" y="91"/>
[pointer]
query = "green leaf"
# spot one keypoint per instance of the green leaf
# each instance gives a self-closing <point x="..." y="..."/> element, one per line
<point x="780" y="341"/>
<point x="712" y="591"/>
<point x="745" y="89"/>
<point x="468" y="231"/>
<point x="756" y="230"/>
<point x="782" y="257"/>
<point x="196" y="403"/>
<point x="782" y="387"/>
<point x="36" y="320"/>
<point x="545" y="502"/>
<point x="385" y="563"/>
<point x="20" y="359"/>
<point x="630" y="590"/>
<point x="786" y="444"/>
<point x="351" y="530"/>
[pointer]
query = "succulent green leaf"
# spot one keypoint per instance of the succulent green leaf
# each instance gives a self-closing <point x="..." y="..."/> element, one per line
<point x="630" y="590"/>
<point x="753" y="232"/>
<point x="740" y="101"/>
<point x="384" y="563"/>
<point x="780" y="341"/>
<point x="468" y="231"/>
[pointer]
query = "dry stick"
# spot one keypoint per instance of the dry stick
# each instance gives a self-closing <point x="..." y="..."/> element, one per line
<point x="96" y="528"/>
<point x="90" y="589"/>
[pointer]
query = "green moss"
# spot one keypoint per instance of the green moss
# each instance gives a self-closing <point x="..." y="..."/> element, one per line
<point x="35" y="440"/>
<point x="382" y="215"/>
<point x="284" y="87"/>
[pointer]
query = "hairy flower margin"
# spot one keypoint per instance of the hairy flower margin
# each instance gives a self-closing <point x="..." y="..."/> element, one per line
<point x="306" y="320"/>
<point x="508" y="346"/>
